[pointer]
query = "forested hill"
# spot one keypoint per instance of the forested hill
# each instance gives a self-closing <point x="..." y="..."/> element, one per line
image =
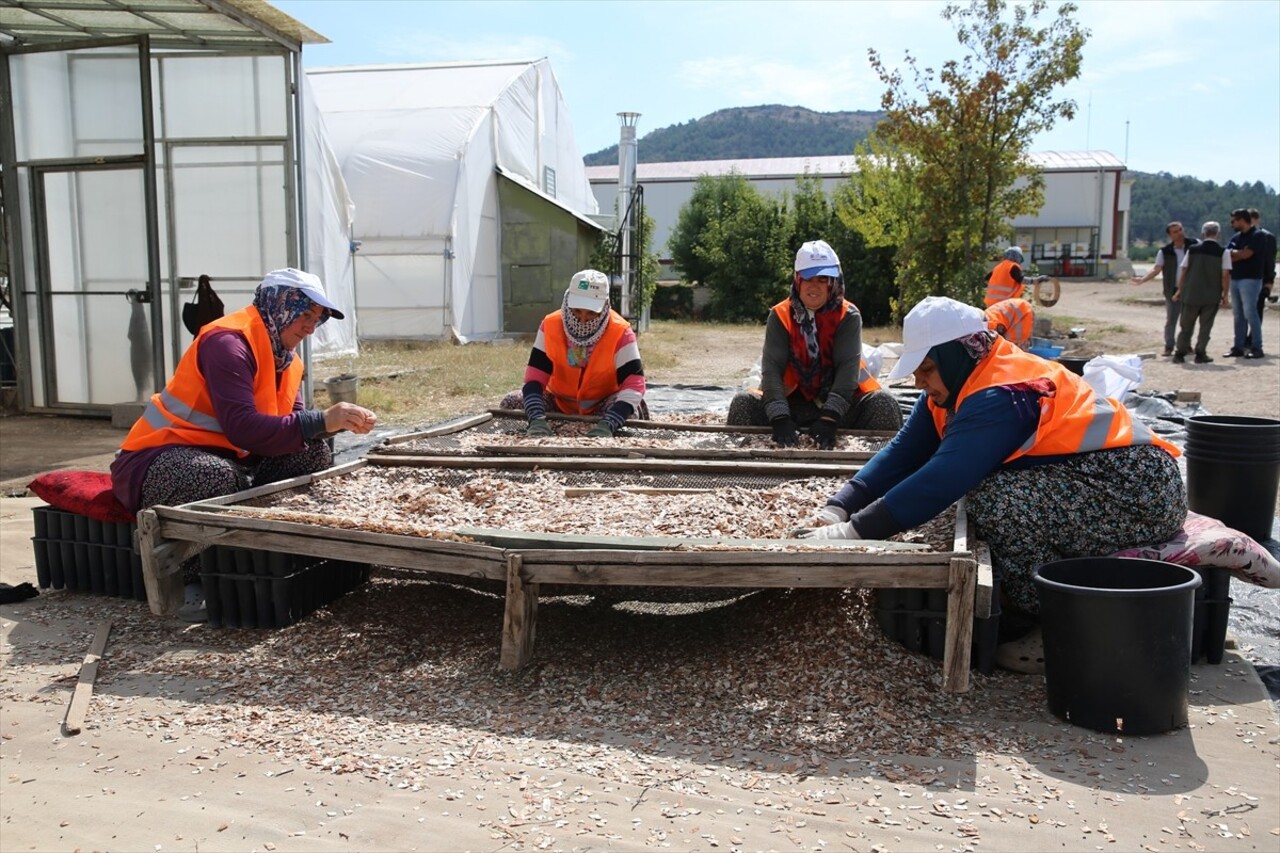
<point x="1161" y="198"/>
<point x="749" y="132"/>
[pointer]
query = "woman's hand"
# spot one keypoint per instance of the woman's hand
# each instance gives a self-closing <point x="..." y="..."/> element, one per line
<point x="350" y="417"/>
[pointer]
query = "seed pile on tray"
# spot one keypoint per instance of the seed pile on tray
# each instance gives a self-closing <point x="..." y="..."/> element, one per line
<point x="433" y="502"/>
<point x="420" y="500"/>
<point x="574" y="434"/>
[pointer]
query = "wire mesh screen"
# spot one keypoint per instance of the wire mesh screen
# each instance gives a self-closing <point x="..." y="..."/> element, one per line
<point x="505" y="434"/>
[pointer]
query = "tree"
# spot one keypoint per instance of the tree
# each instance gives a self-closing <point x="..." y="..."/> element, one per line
<point x="731" y="238"/>
<point x="963" y="134"/>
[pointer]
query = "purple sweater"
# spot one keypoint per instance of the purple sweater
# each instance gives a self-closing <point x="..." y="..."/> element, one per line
<point x="228" y="366"/>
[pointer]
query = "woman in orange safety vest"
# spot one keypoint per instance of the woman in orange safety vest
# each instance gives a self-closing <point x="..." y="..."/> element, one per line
<point x="1048" y="468"/>
<point x="232" y="416"/>
<point x="812" y="373"/>
<point x="584" y="361"/>
<point x="1013" y="320"/>
<point x="1005" y="281"/>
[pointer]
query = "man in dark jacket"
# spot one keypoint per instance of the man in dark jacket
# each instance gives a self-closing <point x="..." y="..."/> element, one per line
<point x="1168" y="261"/>
<point x="1204" y="285"/>
<point x="1247" y="249"/>
<point x="1268" y="265"/>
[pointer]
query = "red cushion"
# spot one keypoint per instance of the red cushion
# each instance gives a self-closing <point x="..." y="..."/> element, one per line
<point x="82" y="492"/>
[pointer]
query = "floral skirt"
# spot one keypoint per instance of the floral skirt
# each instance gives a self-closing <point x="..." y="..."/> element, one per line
<point x="1088" y="505"/>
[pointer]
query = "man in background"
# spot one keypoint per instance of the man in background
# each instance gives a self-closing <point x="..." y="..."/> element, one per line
<point x="1268" y="264"/>
<point x="1169" y="261"/>
<point x="1247" y="251"/>
<point x="1204" y="285"/>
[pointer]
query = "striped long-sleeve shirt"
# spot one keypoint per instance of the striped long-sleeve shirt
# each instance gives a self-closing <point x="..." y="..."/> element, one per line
<point x="628" y="370"/>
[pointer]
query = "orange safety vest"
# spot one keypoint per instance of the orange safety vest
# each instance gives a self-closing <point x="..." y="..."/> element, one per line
<point x="183" y="414"/>
<point x="791" y="377"/>
<point x="1001" y="285"/>
<point x="1073" y="419"/>
<point x="581" y="390"/>
<point x="1012" y="319"/>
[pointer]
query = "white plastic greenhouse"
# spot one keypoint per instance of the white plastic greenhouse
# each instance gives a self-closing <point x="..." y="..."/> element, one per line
<point x="151" y="144"/>
<point x="472" y="202"/>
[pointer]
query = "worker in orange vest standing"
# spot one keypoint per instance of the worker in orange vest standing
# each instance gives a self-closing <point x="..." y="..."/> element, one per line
<point x="1005" y="281"/>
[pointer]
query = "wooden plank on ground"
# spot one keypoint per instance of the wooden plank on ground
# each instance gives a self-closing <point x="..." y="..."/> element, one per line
<point x="73" y="722"/>
<point x="681" y="426"/>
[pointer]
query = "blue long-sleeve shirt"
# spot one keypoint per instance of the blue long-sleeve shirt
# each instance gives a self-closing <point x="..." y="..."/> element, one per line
<point x="918" y="475"/>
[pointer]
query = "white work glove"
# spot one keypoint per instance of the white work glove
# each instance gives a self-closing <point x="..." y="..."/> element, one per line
<point x="831" y="514"/>
<point x="843" y="530"/>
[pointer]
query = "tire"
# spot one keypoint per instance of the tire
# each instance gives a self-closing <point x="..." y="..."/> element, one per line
<point x="1047" y="292"/>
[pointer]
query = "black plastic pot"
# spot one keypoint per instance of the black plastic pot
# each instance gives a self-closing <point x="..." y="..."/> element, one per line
<point x="1233" y="470"/>
<point x="1117" y="642"/>
<point x="1074" y="363"/>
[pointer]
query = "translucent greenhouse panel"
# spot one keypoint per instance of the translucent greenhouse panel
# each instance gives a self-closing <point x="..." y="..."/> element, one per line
<point x="97" y="250"/>
<point x="229" y="210"/>
<point x="67" y="103"/>
<point x="31" y="312"/>
<point x="224" y="96"/>
<point x="400" y="296"/>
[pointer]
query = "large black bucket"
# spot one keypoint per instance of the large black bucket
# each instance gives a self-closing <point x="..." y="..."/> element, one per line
<point x="1117" y="642"/>
<point x="1233" y="471"/>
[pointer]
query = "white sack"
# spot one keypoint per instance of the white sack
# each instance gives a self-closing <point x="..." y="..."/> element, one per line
<point x="1113" y="375"/>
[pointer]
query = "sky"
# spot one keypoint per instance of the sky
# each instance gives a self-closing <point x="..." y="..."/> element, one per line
<point x="1190" y="88"/>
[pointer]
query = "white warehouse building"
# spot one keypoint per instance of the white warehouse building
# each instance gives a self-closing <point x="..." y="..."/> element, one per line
<point x="1081" y="230"/>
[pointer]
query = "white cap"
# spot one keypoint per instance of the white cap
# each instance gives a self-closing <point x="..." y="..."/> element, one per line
<point x="308" y="283"/>
<point x="935" y="320"/>
<point x="1014" y="254"/>
<point x="817" y="258"/>
<point x="589" y="289"/>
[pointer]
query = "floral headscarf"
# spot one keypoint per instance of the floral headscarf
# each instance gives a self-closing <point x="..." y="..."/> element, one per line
<point x="279" y="305"/>
<point x="582" y="336"/>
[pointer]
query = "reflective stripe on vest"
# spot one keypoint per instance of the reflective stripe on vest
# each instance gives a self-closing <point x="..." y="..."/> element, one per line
<point x="1002" y="285"/>
<point x="581" y="390"/>
<point x="1073" y="419"/>
<point x="182" y="413"/>
<point x="1013" y="319"/>
<point x="791" y="376"/>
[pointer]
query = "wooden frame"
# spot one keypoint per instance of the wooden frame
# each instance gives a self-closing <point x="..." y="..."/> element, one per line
<point x="523" y="561"/>
<point x="391" y="446"/>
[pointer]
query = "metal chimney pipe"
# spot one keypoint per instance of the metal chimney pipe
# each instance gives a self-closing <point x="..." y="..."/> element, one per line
<point x="627" y="225"/>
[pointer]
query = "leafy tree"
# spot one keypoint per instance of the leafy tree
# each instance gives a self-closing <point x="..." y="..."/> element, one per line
<point x="731" y="238"/>
<point x="1161" y="198"/>
<point x="963" y="135"/>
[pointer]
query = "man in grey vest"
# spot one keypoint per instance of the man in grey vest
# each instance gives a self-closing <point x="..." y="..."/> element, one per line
<point x="1168" y="261"/>
<point x="1204" y="286"/>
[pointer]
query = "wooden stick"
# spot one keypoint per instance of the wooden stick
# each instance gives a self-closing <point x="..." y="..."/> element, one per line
<point x="519" y="617"/>
<point x="79" y="704"/>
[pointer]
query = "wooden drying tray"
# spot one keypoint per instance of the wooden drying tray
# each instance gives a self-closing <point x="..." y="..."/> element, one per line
<point x="525" y="560"/>
<point x="604" y="449"/>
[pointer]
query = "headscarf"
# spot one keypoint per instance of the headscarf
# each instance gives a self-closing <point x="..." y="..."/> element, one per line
<point x="279" y="305"/>
<point x="956" y="361"/>
<point x="582" y="336"/>
<point x="807" y="330"/>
